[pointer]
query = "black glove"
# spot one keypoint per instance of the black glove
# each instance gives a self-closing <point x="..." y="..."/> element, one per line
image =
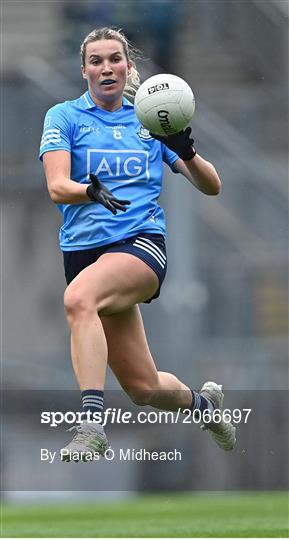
<point x="97" y="192"/>
<point x="181" y="143"/>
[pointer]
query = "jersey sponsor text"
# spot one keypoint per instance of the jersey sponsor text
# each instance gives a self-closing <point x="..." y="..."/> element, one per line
<point x="118" y="165"/>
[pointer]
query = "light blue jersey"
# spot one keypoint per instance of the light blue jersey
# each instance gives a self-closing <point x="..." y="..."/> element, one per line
<point x="115" y="147"/>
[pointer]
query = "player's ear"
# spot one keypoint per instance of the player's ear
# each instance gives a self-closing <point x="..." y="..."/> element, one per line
<point x="129" y="68"/>
<point x="83" y="72"/>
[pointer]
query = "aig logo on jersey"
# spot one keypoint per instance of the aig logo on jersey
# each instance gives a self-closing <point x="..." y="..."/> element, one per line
<point x="119" y="165"/>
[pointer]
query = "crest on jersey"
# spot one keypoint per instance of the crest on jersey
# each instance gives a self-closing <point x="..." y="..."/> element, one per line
<point x="144" y="133"/>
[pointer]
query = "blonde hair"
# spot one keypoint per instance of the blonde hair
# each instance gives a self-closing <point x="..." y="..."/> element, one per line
<point x="131" y="53"/>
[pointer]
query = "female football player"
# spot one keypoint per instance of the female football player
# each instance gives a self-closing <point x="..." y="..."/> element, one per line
<point x="104" y="171"/>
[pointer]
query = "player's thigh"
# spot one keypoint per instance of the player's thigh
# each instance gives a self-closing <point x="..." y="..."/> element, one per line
<point x="128" y="352"/>
<point x="113" y="283"/>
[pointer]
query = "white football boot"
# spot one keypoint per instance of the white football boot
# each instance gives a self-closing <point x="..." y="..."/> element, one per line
<point x="224" y="433"/>
<point x="88" y="438"/>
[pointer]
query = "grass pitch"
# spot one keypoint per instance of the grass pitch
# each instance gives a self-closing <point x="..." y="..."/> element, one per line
<point x="205" y="515"/>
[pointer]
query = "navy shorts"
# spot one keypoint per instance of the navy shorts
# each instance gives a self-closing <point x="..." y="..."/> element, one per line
<point x="150" y="248"/>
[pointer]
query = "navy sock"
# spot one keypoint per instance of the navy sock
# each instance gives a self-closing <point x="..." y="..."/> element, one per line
<point x="92" y="401"/>
<point x="200" y="403"/>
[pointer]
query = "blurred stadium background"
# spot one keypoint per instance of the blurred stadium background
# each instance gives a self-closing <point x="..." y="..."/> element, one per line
<point x="223" y="312"/>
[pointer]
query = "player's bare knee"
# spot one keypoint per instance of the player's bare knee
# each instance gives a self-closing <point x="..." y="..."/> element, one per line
<point x="77" y="304"/>
<point x="141" y="396"/>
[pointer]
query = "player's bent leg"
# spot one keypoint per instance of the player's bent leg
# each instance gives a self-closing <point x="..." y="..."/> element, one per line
<point x="111" y="284"/>
<point x="131" y="361"/>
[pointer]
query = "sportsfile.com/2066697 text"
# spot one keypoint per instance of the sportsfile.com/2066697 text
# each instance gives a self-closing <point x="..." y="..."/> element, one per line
<point x="113" y="415"/>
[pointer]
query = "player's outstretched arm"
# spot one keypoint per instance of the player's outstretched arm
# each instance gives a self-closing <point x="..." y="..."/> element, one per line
<point x="201" y="173"/>
<point x="63" y="190"/>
